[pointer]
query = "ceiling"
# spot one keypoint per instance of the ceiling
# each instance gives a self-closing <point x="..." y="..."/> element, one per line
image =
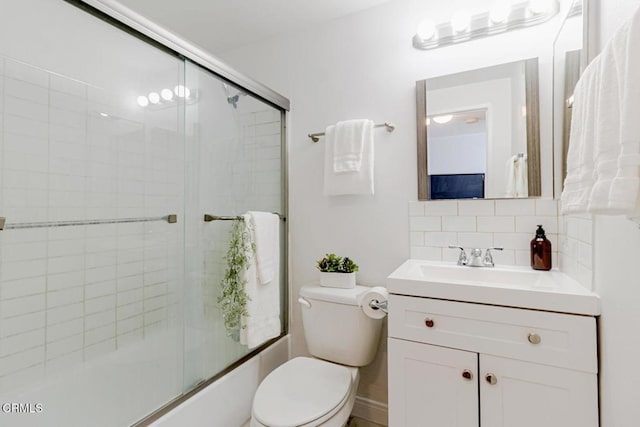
<point x="220" y="25"/>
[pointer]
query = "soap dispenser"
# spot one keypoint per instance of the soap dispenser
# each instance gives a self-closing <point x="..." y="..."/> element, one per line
<point x="540" y="251"/>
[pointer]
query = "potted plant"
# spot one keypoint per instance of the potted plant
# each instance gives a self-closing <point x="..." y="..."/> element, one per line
<point x="337" y="272"/>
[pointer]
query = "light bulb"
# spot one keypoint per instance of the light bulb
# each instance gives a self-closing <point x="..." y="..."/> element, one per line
<point x="166" y="94"/>
<point x="460" y="21"/>
<point x="445" y="118"/>
<point x="143" y="101"/>
<point x="500" y="11"/>
<point x="428" y="121"/>
<point x="104" y="114"/>
<point x="181" y="91"/>
<point x="154" y="98"/>
<point x="538" y="7"/>
<point x="426" y="29"/>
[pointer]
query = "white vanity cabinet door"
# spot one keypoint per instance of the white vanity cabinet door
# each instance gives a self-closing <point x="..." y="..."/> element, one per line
<point x="427" y="386"/>
<point x="526" y="394"/>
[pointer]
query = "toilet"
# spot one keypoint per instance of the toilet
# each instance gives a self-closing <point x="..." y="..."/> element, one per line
<point x="321" y="390"/>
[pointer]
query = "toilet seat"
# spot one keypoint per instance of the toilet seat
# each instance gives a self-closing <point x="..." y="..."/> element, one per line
<point x="302" y="392"/>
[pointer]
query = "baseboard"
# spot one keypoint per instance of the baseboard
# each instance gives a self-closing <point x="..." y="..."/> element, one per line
<point x="371" y="410"/>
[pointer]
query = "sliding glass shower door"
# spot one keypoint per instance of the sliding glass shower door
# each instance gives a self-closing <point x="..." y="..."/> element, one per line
<point x="234" y="151"/>
<point x="112" y="150"/>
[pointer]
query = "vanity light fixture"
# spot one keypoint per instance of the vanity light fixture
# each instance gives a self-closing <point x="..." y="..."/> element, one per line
<point x="166" y="94"/>
<point x="154" y="97"/>
<point x="503" y="16"/>
<point x="441" y="120"/>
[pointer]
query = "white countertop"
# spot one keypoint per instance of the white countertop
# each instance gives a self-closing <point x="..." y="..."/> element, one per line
<point x="509" y="286"/>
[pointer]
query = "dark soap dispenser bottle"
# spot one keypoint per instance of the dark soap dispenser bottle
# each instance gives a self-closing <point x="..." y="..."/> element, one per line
<point x="540" y="251"/>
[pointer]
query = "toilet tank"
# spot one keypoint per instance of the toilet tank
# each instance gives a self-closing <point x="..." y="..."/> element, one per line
<point x="335" y="327"/>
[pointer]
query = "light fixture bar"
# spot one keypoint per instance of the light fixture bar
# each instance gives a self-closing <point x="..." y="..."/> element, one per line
<point x="481" y="26"/>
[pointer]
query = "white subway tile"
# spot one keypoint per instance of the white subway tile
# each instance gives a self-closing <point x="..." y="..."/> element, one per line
<point x="64" y="363"/>
<point x="20" y="71"/>
<point x="129" y="283"/>
<point x="25" y="90"/>
<point x="515" y="207"/>
<point x="22" y="287"/>
<point x="585" y="231"/>
<point x="585" y="255"/>
<point x="99" y="289"/>
<point x="65" y="264"/>
<point x="440" y="239"/>
<point x="102" y="318"/>
<point x="22" y="360"/>
<point x="64" y="297"/>
<point x="416" y="238"/>
<point x="416" y="208"/>
<point x="476" y="207"/>
<point x="504" y="257"/>
<point x="21" y="342"/>
<point x="19" y="306"/>
<point x="64" y="313"/>
<point x="100" y="334"/>
<point x="129" y="324"/>
<point x="67" y="345"/>
<point x="64" y="280"/>
<point x="97" y="305"/>
<point x="546" y="207"/>
<point x="129" y="338"/>
<point x="100" y="274"/>
<point x="523" y="258"/>
<point x="459" y="223"/>
<point x="530" y="224"/>
<point x="63" y="330"/>
<point x="129" y="310"/>
<point x="13" y="270"/>
<point x="441" y="208"/>
<point x="513" y="241"/>
<point x="475" y="240"/>
<point x="21" y="324"/>
<point x="501" y="224"/>
<point x="155" y="290"/>
<point x="432" y="254"/>
<point x="128" y="297"/>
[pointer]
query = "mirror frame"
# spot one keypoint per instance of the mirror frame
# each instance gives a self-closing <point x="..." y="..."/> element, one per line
<point x="533" y="132"/>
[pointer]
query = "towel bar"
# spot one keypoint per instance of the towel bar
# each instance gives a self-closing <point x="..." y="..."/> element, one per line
<point x="315" y="137"/>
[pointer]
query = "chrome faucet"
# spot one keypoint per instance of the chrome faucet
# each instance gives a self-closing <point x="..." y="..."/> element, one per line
<point x="476" y="259"/>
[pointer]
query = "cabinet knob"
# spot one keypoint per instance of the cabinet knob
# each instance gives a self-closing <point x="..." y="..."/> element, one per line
<point x="491" y="378"/>
<point x="467" y="375"/>
<point x="428" y="322"/>
<point x="534" y="338"/>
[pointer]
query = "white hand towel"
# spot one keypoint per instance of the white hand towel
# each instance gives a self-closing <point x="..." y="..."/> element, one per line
<point x="349" y="140"/>
<point x="624" y="190"/>
<point x="354" y="182"/>
<point x="603" y="163"/>
<point x="579" y="181"/>
<point x="263" y="320"/>
<point x="511" y="177"/>
<point x="521" y="177"/>
<point x="267" y="240"/>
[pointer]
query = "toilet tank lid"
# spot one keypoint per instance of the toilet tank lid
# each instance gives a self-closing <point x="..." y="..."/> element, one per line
<point x="351" y="296"/>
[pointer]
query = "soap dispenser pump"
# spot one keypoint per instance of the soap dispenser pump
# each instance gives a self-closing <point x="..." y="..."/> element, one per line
<point x="540" y="251"/>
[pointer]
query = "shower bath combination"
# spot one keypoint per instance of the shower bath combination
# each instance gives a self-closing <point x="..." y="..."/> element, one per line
<point x="109" y="275"/>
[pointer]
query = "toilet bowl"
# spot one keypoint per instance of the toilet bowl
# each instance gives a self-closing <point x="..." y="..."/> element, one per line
<point x="306" y="392"/>
<point x="320" y="391"/>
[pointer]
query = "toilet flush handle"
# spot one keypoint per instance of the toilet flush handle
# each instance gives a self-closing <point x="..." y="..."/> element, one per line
<point x="304" y="302"/>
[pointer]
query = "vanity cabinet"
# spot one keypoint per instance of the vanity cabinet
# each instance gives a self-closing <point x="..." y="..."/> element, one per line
<point x="457" y="364"/>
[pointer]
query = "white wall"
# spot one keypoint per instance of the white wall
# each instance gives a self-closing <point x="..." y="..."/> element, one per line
<point x="363" y="65"/>
<point x="445" y="154"/>
<point x="616" y="279"/>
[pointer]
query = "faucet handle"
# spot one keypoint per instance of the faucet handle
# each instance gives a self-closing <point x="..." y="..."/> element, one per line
<point x="462" y="259"/>
<point x="488" y="258"/>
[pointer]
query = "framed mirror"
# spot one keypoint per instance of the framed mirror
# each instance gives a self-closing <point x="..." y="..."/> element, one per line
<point x="479" y="133"/>
<point x="569" y="60"/>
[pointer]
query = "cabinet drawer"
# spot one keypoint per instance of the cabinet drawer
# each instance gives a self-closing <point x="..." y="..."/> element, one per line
<point x="555" y="339"/>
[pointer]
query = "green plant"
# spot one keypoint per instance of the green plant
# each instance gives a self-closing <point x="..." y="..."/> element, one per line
<point x="332" y="263"/>
<point x="233" y="297"/>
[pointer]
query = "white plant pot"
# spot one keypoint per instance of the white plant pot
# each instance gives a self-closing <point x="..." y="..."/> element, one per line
<point x="338" y="280"/>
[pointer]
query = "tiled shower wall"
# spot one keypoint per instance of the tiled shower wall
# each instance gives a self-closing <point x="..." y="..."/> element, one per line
<point x="70" y="294"/>
<point x="511" y="224"/>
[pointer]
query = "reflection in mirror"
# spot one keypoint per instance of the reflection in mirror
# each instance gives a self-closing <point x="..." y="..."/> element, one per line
<point x="478" y="133"/>
<point x="567" y="67"/>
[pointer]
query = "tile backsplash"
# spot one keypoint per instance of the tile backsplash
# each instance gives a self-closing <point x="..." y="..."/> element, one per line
<point x="511" y="224"/>
<point x="576" y="248"/>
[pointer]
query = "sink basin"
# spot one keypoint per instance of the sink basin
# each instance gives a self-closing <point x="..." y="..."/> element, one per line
<point x="506" y="286"/>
